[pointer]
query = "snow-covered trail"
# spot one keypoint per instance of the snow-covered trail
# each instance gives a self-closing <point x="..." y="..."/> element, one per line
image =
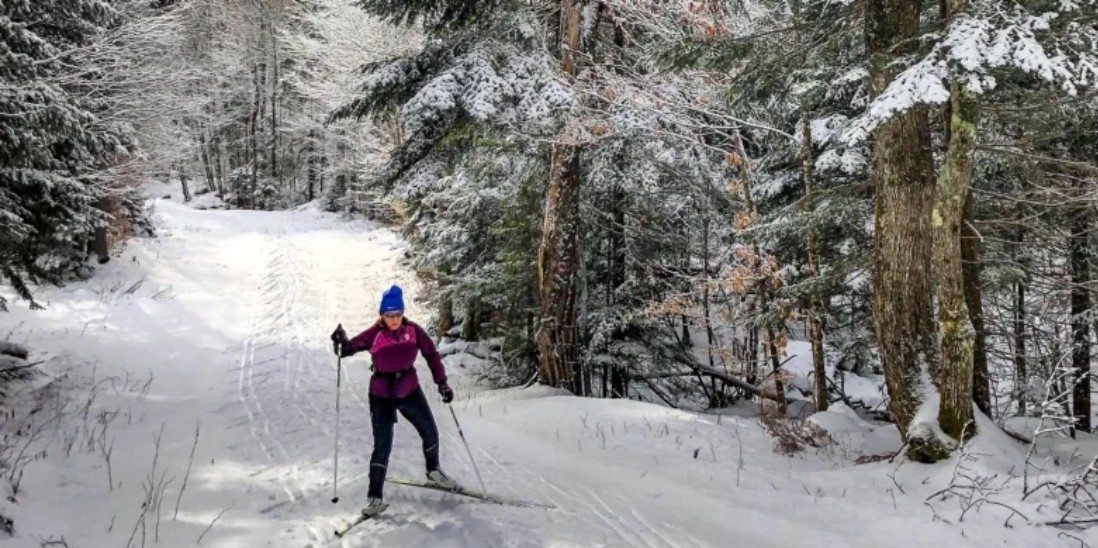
<point x="231" y="319"/>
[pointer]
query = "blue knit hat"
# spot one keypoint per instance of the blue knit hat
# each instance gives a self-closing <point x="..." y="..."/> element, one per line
<point x="392" y="299"/>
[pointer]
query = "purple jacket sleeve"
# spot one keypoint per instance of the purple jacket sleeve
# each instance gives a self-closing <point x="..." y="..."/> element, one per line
<point x="434" y="361"/>
<point x="364" y="340"/>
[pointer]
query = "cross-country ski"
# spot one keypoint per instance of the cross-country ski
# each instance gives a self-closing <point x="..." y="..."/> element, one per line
<point x="362" y="518"/>
<point x="467" y="492"/>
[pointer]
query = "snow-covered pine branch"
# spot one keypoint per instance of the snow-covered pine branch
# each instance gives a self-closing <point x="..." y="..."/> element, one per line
<point x="992" y="39"/>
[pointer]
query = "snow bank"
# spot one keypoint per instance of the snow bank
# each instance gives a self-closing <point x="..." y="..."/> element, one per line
<point x="856" y="435"/>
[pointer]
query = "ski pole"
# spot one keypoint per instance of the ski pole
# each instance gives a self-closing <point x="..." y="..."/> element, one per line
<point x="464" y="441"/>
<point x="339" y="379"/>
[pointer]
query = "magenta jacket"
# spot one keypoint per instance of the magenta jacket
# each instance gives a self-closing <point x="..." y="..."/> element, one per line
<point x="394" y="356"/>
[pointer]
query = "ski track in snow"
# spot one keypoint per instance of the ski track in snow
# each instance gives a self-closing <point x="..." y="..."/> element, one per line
<point x="281" y="380"/>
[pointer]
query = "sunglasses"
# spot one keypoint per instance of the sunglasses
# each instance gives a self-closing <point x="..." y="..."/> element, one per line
<point x="393" y="315"/>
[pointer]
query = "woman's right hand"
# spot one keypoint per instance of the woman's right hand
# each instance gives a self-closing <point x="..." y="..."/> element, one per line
<point x="340" y="342"/>
<point x="446" y="392"/>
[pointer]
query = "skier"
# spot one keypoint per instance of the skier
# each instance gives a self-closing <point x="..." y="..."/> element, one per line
<point x="393" y="343"/>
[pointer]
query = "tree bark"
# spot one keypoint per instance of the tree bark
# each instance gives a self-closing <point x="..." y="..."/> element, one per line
<point x="445" y="315"/>
<point x="183" y="182"/>
<point x="1080" y="315"/>
<point x="558" y="262"/>
<point x="776" y="364"/>
<point x="955" y="333"/>
<point x="101" y="238"/>
<point x="558" y="254"/>
<point x="1021" y="377"/>
<point x="219" y="159"/>
<point x="970" y="257"/>
<point x="903" y="177"/>
<point x="470" y="326"/>
<point x="310" y="193"/>
<point x="211" y="181"/>
<point x="253" y="138"/>
<point x="815" y="300"/>
<point x="275" y="171"/>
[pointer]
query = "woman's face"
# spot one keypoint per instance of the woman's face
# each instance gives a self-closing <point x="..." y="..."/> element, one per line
<point x="393" y="319"/>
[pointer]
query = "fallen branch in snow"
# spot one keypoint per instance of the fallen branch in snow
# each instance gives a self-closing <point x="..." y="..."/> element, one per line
<point x="1071" y="522"/>
<point x="898" y="452"/>
<point x="659" y="393"/>
<point x="1017" y="437"/>
<point x="23" y="366"/>
<point x="705" y="370"/>
<point x="210" y="526"/>
<point x="857" y="404"/>
<point x="14" y="350"/>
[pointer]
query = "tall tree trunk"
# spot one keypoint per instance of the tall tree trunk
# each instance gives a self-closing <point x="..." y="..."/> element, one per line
<point x="219" y="155"/>
<point x="955" y="332"/>
<point x="1080" y="315"/>
<point x="310" y="192"/>
<point x="558" y="261"/>
<point x="273" y="122"/>
<point x="470" y="326"/>
<point x="203" y="147"/>
<point x="253" y="138"/>
<point x="183" y="182"/>
<point x="710" y="336"/>
<point x="970" y="255"/>
<point x="903" y="176"/>
<point x="776" y="364"/>
<point x="101" y="237"/>
<point x="445" y="315"/>
<point x="558" y="254"/>
<point x="1021" y="377"/>
<point x="752" y="373"/>
<point x="815" y="299"/>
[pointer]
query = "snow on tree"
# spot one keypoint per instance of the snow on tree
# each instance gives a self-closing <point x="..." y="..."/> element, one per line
<point x="58" y="139"/>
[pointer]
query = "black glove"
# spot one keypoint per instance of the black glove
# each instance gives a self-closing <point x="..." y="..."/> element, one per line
<point x="340" y="343"/>
<point x="446" y="392"/>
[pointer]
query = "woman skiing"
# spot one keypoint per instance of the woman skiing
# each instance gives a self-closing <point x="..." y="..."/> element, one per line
<point x="393" y="343"/>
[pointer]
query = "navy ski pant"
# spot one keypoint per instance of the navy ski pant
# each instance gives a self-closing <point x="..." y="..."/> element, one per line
<point x="383" y="415"/>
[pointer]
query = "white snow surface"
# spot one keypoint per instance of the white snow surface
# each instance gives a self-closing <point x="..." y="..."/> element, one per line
<point x="231" y="322"/>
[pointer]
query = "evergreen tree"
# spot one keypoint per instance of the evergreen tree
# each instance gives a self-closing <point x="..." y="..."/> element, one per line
<point x="54" y="143"/>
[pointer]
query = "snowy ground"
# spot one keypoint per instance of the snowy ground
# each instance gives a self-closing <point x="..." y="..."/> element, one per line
<point x="228" y="314"/>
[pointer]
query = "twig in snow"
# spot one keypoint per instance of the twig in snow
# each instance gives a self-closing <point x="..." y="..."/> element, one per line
<point x="1082" y="544"/>
<point x="51" y="542"/>
<point x="897" y="453"/>
<point x="973" y="490"/>
<point x="190" y="462"/>
<point x="215" y="521"/>
<point x="106" y="451"/>
<point x="136" y="526"/>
